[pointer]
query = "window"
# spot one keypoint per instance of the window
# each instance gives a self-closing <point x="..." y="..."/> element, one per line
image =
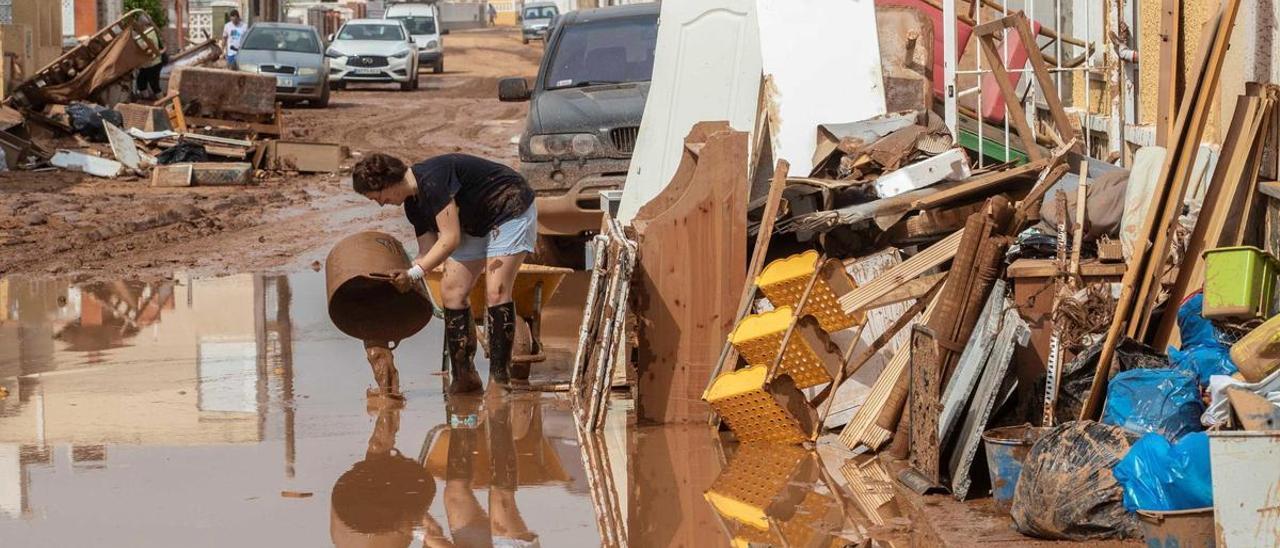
<point x="372" y="32"/>
<point x="544" y="12"/>
<point x="418" y="24"/>
<point x="609" y="51"/>
<point x="277" y="39"/>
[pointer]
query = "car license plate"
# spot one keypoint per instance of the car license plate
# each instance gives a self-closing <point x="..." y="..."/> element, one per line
<point x="284" y="81"/>
<point x="368" y="71"/>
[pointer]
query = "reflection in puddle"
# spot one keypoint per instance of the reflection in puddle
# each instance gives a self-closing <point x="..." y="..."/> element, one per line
<point x="140" y="413"/>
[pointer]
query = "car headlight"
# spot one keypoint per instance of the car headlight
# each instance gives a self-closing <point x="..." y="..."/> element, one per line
<point x="400" y="55"/>
<point x="566" y="145"/>
<point x="432" y="44"/>
<point x="307" y="71"/>
<point x="334" y="54"/>
<point x="247" y="68"/>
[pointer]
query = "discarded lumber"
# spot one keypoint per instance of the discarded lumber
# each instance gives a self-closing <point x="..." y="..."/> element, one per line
<point x="689" y="311"/>
<point x="874" y="422"/>
<point x="1137" y="292"/>
<point x="908" y="270"/>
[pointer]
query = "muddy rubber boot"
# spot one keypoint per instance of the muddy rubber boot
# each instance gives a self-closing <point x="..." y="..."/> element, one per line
<point x="460" y="337"/>
<point x="502" y="336"/>
<point x="502" y="446"/>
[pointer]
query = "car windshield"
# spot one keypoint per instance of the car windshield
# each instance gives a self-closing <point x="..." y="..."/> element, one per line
<point x="610" y="51"/>
<point x="372" y="32"/>
<point x="418" y="24"/>
<point x="543" y="12"/>
<point x="275" y="39"/>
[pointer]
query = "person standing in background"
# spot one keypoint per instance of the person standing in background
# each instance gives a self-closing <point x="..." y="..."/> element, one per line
<point x="232" y="34"/>
<point x="493" y="15"/>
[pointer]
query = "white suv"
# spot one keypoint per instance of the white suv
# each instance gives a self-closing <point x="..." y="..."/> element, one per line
<point x="373" y="50"/>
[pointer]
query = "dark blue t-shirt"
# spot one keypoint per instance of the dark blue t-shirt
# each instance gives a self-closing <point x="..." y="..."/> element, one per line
<point x="487" y="193"/>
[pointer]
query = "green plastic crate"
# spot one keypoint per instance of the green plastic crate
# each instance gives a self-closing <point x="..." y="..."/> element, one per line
<point x="1239" y="283"/>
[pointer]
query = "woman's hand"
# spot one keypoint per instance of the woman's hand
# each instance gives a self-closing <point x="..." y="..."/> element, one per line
<point x="402" y="281"/>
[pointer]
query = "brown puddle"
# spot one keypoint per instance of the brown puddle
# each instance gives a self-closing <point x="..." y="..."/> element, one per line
<point x="230" y="412"/>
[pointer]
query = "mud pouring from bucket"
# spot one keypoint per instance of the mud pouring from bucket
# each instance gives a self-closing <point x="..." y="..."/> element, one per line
<point x="364" y="304"/>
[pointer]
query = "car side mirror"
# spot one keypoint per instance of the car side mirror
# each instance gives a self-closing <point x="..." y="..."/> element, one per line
<point x="513" y="90"/>
<point x="329" y="38"/>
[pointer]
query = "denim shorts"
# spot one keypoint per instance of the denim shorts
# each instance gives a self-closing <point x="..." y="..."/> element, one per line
<point x="516" y="235"/>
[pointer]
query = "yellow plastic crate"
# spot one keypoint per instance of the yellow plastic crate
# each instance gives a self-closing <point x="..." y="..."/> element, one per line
<point x="754" y="478"/>
<point x="810" y="358"/>
<point x="783" y="282"/>
<point x="746" y="402"/>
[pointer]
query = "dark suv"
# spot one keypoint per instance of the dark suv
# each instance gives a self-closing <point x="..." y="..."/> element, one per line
<point x="585" y="113"/>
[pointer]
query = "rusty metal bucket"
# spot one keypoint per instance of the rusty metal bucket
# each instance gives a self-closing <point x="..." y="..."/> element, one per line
<point x="362" y="301"/>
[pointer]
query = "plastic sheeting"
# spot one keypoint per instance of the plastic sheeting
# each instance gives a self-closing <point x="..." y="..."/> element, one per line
<point x="1202" y="351"/>
<point x="1162" y="476"/>
<point x="1160" y="401"/>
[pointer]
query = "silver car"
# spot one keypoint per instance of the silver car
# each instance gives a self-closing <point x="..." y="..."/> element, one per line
<point x="373" y="50"/>
<point x="294" y="55"/>
<point x="535" y="19"/>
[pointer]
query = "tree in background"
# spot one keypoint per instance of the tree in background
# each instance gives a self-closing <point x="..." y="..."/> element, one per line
<point x="154" y="8"/>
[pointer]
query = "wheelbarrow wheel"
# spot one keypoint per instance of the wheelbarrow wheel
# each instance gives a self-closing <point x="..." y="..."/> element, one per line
<point x="523" y="350"/>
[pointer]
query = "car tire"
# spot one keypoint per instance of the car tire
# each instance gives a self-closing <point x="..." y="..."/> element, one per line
<point x="524" y="41"/>
<point x="323" y="101"/>
<point x="562" y="251"/>
<point x="339" y="85"/>
<point x="407" y="86"/>
<point x="439" y="67"/>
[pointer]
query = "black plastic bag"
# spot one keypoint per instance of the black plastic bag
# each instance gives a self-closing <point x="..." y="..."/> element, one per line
<point x="86" y="120"/>
<point x="1066" y="490"/>
<point x="183" y="152"/>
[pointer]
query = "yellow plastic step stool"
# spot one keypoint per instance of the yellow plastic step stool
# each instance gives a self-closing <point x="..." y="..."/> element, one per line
<point x="811" y="359"/>
<point x="754" y="477"/>
<point x="784" y="280"/>
<point x="758" y="408"/>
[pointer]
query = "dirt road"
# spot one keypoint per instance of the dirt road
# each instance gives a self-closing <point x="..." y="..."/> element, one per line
<point x="88" y="228"/>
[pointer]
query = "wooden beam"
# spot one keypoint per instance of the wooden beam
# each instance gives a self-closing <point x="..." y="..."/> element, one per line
<point x="728" y="353"/>
<point x="1001" y="75"/>
<point x="1170" y="77"/>
<point x="908" y="270"/>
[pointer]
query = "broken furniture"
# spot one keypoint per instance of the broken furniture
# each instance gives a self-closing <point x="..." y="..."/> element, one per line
<point x="229" y="99"/>
<point x="106" y="57"/>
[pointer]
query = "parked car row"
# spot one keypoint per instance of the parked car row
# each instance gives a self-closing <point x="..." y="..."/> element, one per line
<point x="306" y="67"/>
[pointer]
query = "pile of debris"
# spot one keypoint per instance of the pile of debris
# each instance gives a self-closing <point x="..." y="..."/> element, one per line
<point x="214" y="127"/>
<point x="934" y="311"/>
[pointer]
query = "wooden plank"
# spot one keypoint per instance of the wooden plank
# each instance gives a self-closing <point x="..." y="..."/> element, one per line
<point x="1077" y="236"/>
<point x="1169" y="91"/>
<point x="170" y="176"/>
<point x="685" y="291"/>
<point x="307" y="157"/>
<point x="1224" y="189"/>
<point x="925" y="401"/>
<point x="728" y="353"/>
<point x="1041" y="72"/>
<point x="1045" y="268"/>
<point x="913" y="289"/>
<point x="979" y="185"/>
<point x="1131" y="307"/>
<point x="908" y="270"/>
<point x="1017" y="116"/>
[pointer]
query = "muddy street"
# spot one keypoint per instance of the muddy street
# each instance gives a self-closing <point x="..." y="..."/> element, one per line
<point x="69" y="224"/>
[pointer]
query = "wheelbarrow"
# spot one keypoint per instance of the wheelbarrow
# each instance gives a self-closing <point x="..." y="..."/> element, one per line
<point x="534" y="286"/>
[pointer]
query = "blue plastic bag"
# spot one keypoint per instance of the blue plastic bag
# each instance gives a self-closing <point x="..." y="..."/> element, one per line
<point x="1202" y="351"/>
<point x="1160" y="401"/>
<point x="1157" y="475"/>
